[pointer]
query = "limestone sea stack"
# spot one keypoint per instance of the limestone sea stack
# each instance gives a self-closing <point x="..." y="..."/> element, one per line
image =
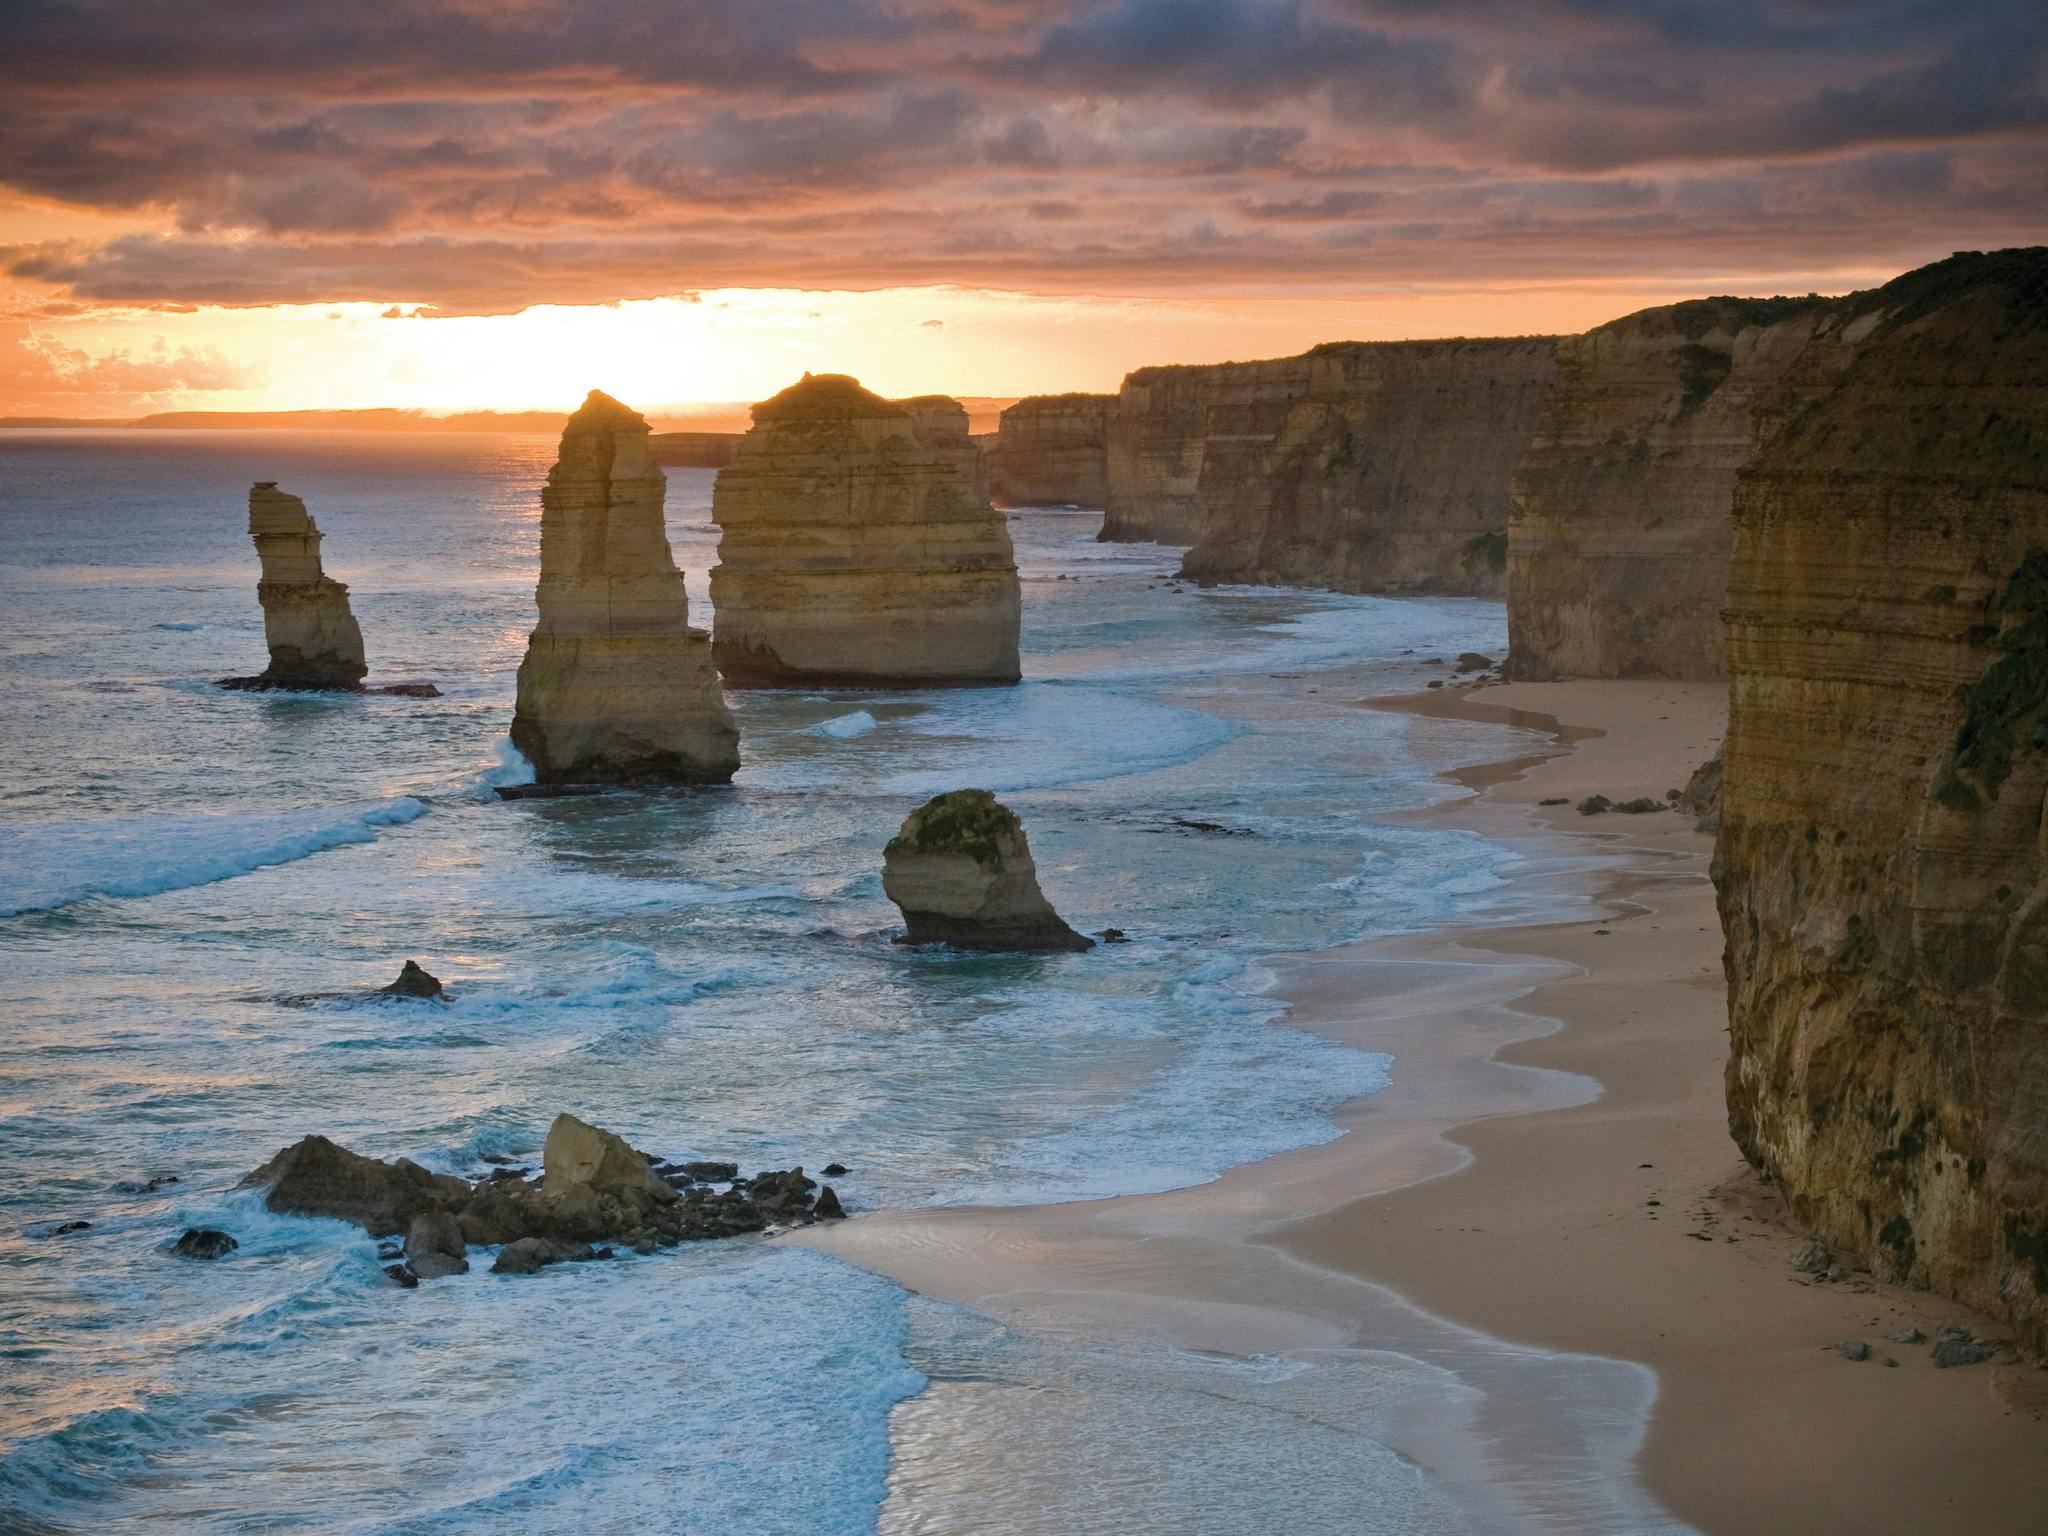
<point x="1052" y="451"/>
<point x="616" y="687"/>
<point x="962" y="874"/>
<point x="857" y="547"/>
<point x="1881" y="867"/>
<point x="314" y="640"/>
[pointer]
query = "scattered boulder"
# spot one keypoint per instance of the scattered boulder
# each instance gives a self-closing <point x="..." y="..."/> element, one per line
<point x="204" y="1243"/>
<point x="833" y="1171"/>
<point x="1813" y="1258"/>
<point x="1556" y="800"/>
<point x="1853" y="1349"/>
<point x="315" y="1177"/>
<point x="401" y="1276"/>
<point x="414" y="982"/>
<point x="1957" y="1346"/>
<point x="1593" y="805"/>
<point x="65" y="1228"/>
<point x="594" y="1189"/>
<point x="1701" y="797"/>
<point x="1642" y="805"/>
<point x="434" y="1246"/>
<point x="962" y="874"/>
<point x="1111" y="936"/>
<point x="1473" y="661"/>
<point x="1908" y="1336"/>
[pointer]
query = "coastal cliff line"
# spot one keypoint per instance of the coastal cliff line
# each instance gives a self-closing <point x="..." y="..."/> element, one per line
<point x="1052" y="451"/>
<point x="1882" y="868"/>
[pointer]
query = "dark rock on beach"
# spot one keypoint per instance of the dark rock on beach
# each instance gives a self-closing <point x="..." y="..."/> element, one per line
<point x="594" y="1188"/>
<point x="204" y="1243"/>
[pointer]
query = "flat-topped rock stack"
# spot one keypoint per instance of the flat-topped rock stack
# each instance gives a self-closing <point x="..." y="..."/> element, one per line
<point x="1052" y="451"/>
<point x="314" y="640"/>
<point x="857" y="547"/>
<point x="616" y="687"/>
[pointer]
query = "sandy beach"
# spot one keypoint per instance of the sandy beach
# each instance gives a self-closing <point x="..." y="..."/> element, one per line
<point x="1550" y="1167"/>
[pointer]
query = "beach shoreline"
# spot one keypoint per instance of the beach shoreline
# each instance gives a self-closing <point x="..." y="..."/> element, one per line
<point x="1554" y="1171"/>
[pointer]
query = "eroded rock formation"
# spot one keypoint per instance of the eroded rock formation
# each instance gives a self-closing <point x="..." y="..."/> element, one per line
<point x="857" y="547"/>
<point x="692" y="450"/>
<point x="314" y="640"/>
<point x="1618" y="547"/>
<point x="1882" y="867"/>
<point x="1387" y="470"/>
<point x="616" y="687"/>
<point x="962" y="874"/>
<point x="594" y="1188"/>
<point x="1052" y="451"/>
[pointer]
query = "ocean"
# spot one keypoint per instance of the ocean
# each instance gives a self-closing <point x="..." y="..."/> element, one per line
<point x="708" y="973"/>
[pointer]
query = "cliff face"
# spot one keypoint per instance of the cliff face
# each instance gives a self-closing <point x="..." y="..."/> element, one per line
<point x="1387" y="470"/>
<point x="313" y="638"/>
<point x="692" y="450"/>
<point x="1052" y="451"/>
<point x="857" y="547"/>
<point x="615" y="687"/>
<point x="1166" y="424"/>
<point x="1882" y="865"/>
<point x="1622" y="507"/>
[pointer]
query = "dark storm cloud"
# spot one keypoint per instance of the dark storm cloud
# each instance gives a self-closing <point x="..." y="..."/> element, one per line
<point x="486" y="154"/>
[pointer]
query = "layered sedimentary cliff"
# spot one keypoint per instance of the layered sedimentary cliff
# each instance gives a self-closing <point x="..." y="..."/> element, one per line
<point x="692" y="450"/>
<point x="857" y="548"/>
<point x="313" y="638"/>
<point x="616" y="687"/>
<point x="1052" y="451"/>
<point x="1369" y="467"/>
<point x="1622" y="506"/>
<point x="1882" y="865"/>
<point x="1167" y="424"/>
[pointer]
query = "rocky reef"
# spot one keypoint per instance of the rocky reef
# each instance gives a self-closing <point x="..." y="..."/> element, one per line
<point x="594" y="1188"/>
<point x="1622" y="520"/>
<point x="1167" y="423"/>
<point x="962" y="874"/>
<point x="1882" y="868"/>
<point x="857" y="547"/>
<point x="1052" y="451"/>
<point x="315" y="643"/>
<point x="616" y="687"/>
<point x="1387" y="470"/>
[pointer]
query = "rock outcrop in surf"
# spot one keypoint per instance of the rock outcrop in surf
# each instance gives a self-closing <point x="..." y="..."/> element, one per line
<point x="962" y="874"/>
<point x="594" y="1189"/>
<point x="314" y="640"/>
<point x="857" y="547"/>
<point x="616" y="687"/>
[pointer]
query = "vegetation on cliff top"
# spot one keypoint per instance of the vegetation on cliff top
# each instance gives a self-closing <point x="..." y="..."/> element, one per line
<point x="969" y="821"/>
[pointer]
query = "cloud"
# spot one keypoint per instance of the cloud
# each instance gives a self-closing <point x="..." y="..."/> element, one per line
<point x="481" y="155"/>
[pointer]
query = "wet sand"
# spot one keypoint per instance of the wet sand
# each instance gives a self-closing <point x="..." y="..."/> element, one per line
<point x="1549" y="1167"/>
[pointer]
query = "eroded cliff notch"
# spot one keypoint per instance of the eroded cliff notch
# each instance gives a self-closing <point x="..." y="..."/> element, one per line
<point x="616" y="687"/>
<point x="857" y="547"/>
<point x="1882" y="866"/>
<point x="313" y="638"/>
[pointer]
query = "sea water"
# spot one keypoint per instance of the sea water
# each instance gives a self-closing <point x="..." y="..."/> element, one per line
<point x="708" y="973"/>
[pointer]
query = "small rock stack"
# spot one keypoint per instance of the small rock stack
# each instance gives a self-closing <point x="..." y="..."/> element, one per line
<point x="315" y="642"/>
<point x="962" y="874"/>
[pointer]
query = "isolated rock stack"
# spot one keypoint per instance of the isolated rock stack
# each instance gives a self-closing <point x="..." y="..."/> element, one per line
<point x="616" y="688"/>
<point x="857" y="547"/>
<point x="314" y="640"/>
<point x="962" y="874"/>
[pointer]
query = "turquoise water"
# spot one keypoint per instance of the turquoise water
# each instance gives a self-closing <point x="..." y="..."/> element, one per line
<point x="709" y="974"/>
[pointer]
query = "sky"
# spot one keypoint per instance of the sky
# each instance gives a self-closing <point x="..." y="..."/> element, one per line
<point x="451" y="204"/>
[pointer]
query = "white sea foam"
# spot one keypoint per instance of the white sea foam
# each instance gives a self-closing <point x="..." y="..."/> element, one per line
<point x="54" y="863"/>
<point x="845" y="727"/>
